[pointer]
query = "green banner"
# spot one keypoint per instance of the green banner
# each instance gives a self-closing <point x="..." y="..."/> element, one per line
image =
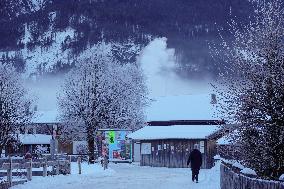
<point x="111" y="136"/>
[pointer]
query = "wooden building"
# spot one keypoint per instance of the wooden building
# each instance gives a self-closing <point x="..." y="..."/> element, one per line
<point x="170" y="146"/>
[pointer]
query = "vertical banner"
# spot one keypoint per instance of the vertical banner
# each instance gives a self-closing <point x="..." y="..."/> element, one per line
<point x="111" y="137"/>
<point x="201" y="147"/>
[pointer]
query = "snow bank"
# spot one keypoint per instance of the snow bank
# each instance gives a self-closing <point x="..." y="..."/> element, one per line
<point x="174" y="132"/>
<point x="231" y="162"/>
<point x="217" y="157"/>
<point x="248" y="171"/>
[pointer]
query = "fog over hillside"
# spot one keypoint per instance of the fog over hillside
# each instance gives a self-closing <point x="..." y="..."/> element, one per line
<point x="45" y="38"/>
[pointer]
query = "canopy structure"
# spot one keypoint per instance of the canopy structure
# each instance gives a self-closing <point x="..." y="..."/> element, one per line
<point x="174" y="132"/>
<point x="34" y="138"/>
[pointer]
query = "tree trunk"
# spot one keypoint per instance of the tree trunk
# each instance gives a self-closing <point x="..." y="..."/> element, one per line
<point x="91" y="146"/>
<point x="1" y="148"/>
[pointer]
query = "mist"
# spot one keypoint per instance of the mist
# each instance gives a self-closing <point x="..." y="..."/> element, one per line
<point x="160" y="67"/>
<point x="45" y="90"/>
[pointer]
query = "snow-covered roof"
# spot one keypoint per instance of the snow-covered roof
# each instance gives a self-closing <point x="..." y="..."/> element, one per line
<point x="46" y="117"/>
<point x="228" y="139"/>
<point x="174" y="132"/>
<point x="224" y="141"/>
<point x="181" y="107"/>
<point x="34" y="138"/>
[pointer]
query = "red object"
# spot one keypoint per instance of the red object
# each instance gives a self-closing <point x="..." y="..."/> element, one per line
<point x="28" y="155"/>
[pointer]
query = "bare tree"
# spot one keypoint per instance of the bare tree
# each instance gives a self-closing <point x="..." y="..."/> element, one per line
<point x="252" y="92"/>
<point x="101" y="93"/>
<point x="15" y="104"/>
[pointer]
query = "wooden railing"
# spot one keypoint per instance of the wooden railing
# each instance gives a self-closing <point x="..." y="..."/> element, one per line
<point x="232" y="180"/>
<point x="58" y="166"/>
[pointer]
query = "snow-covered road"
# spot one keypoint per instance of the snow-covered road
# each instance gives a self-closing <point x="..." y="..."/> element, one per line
<point x="126" y="176"/>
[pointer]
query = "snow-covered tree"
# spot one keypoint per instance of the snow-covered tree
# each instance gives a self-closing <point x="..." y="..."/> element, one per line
<point x="100" y="93"/>
<point x="40" y="149"/>
<point x="252" y="92"/>
<point x="15" y="104"/>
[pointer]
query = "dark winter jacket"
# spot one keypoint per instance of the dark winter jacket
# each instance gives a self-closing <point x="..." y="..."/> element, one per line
<point x="195" y="158"/>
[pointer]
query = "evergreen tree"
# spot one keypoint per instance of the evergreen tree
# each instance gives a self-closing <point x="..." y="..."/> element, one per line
<point x="253" y="87"/>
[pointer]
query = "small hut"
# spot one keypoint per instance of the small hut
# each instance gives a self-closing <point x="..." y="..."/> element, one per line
<point x="227" y="148"/>
<point x="33" y="142"/>
<point x="170" y="146"/>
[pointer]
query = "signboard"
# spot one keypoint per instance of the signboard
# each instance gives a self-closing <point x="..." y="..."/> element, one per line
<point x="201" y="146"/>
<point x="116" y="144"/>
<point x="146" y="148"/>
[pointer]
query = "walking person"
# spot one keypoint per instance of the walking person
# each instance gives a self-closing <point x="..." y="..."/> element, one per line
<point x="195" y="158"/>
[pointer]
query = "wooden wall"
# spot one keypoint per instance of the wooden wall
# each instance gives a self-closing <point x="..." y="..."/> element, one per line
<point x="174" y="153"/>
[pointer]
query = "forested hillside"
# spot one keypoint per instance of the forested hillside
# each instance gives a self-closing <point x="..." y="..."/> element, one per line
<point x="31" y="28"/>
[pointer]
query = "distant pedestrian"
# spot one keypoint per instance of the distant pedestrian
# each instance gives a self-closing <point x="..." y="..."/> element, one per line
<point x="195" y="158"/>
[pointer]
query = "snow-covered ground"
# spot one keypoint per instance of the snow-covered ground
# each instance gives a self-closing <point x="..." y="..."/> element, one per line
<point x="126" y="176"/>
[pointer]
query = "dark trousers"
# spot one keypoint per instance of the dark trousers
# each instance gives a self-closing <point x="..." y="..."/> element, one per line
<point x="195" y="173"/>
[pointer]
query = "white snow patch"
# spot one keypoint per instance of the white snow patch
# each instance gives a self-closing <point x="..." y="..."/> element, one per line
<point x="217" y="157"/>
<point x="238" y="165"/>
<point x="224" y="141"/>
<point x="281" y="178"/>
<point x="248" y="171"/>
<point x="231" y="162"/>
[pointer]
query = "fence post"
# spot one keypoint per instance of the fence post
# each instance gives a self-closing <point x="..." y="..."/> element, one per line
<point x="105" y="162"/>
<point x="57" y="167"/>
<point x="69" y="167"/>
<point x="45" y="167"/>
<point x="79" y="164"/>
<point x="10" y="172"/>
<point x="29" y="170"/>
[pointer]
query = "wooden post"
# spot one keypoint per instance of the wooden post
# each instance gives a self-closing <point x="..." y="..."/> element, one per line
<point x="69" y="167"/>
<point x="105" y="162"/>
<point x="57" y="167"/>
<point x="10" y="172"/>
<point x="45" y="167"/>
<point x="29" y="170"/>
<point x="79" y="164"/>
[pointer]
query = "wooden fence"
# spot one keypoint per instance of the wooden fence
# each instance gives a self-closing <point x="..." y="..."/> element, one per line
<point x="59" y="167"/>
<point x="232" y="180"/>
